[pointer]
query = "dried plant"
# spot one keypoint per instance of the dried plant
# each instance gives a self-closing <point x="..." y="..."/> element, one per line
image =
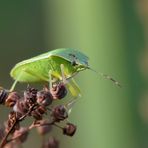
<point x="34" y="103"/>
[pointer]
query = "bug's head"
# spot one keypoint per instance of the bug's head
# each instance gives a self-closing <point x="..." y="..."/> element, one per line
<point x="80" y="66"/>
<point x="79" y="62"/>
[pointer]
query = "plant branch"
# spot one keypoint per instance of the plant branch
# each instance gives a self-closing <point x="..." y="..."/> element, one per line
<point x="4" y="140"/>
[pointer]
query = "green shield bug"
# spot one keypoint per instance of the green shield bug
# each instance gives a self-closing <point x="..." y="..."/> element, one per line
<point x="59" y="64"/>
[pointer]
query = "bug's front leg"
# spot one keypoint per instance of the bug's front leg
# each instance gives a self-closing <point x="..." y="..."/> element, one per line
<point x="63" y="74"/>
<point x="71" y="84"/>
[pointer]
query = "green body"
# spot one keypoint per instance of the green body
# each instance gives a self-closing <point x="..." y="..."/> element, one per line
<point x="37" y="69"/>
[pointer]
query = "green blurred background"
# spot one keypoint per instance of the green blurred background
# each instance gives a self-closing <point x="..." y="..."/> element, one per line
<point x="114" y="35"/>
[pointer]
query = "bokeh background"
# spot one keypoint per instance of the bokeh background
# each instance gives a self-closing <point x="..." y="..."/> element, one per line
<point x="114" y="34"/>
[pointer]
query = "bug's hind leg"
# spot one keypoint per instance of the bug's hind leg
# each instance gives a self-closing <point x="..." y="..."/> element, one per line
<point x="15" y="82"/>
<point x="71" y="84"/>
<point x="30" y="72"/>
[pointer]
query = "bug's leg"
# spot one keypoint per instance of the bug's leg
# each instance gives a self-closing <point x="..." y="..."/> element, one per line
<point x="50" y="79"/>
<point x="74" y="88"/>
<point x="15" y="82"/>
<point x="63" y="74"/>
<point x="71" y="84"/>
<point x="13" y="85"/>
<point x="29" y="71"/>
<point x="69" y="105"/>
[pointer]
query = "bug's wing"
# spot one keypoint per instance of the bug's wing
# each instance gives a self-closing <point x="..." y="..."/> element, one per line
<point x="74" y="88"/>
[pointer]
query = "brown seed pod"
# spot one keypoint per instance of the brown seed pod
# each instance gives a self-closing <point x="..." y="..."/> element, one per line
<point x="12" y="98"/>
<point x="30" y="95"/>
<point x="38" y="112"/>
<point x="3" y="95"/>
<point x="69" y="129"/>
<point x="21" y="107"/>
<point x="59" y="113"/>
<point x="58" y="91"/>
<point x="44" y="98"/>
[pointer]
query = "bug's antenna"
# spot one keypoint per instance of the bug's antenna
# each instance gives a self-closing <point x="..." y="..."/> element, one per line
<point x="106" y="77"/>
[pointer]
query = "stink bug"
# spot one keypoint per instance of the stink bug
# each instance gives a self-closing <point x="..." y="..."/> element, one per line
<point x="58" y="65"/>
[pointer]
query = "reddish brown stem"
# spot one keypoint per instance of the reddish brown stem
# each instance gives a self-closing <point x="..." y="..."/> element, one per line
<point x="4" y="140"/>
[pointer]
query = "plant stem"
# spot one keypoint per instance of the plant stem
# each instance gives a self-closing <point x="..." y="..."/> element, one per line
<point x="5" y="141"/>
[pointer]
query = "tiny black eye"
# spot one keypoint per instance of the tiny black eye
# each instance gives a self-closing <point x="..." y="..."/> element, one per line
<point x="73" y="59"/>
<point x="73" y="63"/>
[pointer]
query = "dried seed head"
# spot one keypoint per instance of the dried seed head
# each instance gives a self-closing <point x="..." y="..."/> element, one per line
<point x="51" y="143"/>
<point x="69" y="129"/>
<point x="58" y="91"/>
<point x="59" y="113"/>
<point x="38" y="112"/>
<point x="21" y="134"/>
<point x="21" y="107"/>
<point x="30" y="95"/>
<point x="3" y="95"/>
<point x="44" y="98"/>
<point x="43" y="128"/>
<point x="12" y="98"/>
<point x="34" y="103"/>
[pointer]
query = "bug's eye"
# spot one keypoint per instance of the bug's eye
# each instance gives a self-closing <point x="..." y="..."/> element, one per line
<point x="73" y="59"/>
<point x="74" y="63"/>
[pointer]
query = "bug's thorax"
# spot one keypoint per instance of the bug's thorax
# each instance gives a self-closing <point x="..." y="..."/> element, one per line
<point x="55" y="65"/>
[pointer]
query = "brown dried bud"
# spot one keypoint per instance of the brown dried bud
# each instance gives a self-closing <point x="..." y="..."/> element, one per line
<point x="21" y="134"/>
<point x="51" y="143"/>
<point x="3" y="95"/>
<point x="59" y="113"/>
<point x="44" y="98"/>
<point x="12" y="98"/>
<point x="58" y="91"/>
<point x="30" y="95"/>
<point x="69" y="129"/>
<point x="43" y="127"/>
<point x="38" y="112"/>
<point x="21" y="107"/>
